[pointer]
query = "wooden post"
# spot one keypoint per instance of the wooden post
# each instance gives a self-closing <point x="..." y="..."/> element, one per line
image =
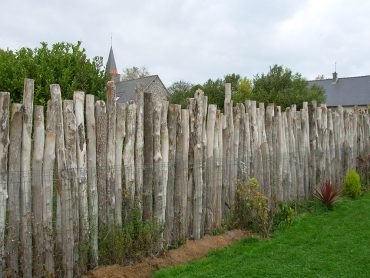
<point x="165" y="157"/>
<point x="129" y="158"/>
<point x="120" y="136"/>
<point x="148" y="157"/>
<point x="235" y="155"/>
<point x="198" y="164"/>
<point x="191" y="187"/>
<point x="157" y="159"/>
<point x="91" y="178"/>
<point x="26" y="208"/>
<point x="173" y="120"/>
<point x="4" y="143"/>
<point x="66" y="203"/>
<point x="14" y="178"/>
<point x="48" y="184"/>
<point x="37" y="196"/>
<point x="101" y="162"/>
<point x="111" y="151"/>
<point x="139" y="145"/>
<point x="70" y="138"/>
<point x="210" y="170"/>
<point x="79" y="99"/>
<point x="217" y="153"/>
<point x="228" y="139"/>
<point x="181" y="176"/>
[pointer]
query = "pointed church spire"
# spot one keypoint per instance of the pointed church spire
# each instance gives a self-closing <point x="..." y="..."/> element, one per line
<point x="111" y="64"/>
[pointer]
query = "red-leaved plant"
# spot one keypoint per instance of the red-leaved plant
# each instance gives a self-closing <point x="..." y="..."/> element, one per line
<point x="328" y="194"/>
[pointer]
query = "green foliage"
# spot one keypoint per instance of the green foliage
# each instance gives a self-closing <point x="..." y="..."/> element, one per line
<point x="284" y="215"/>
<point x="64" y="63"/>
<point x="133" y="240"/>
<point x="321" y="244"/>
<point x="352" y="184"/>
<point x="251" y="209"/>
<point x="279" y="86"/>
<point x="282" y="87"/>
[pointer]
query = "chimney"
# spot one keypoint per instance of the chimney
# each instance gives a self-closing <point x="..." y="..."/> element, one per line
<point x="335" y="77"/>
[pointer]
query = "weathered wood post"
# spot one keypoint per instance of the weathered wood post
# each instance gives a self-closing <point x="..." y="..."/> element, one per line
<point x="14" y="178"/>
<point x="217" y="153"/>
<point x="181" y="176"/>
<point x="148" y="157"/>
<point x="210" y="170"/>
<point x="129" y="158"/>
<point x="165" y="157"/>
<point x="101" y="162"/>
<point x="4" y="143"/>
<point x="139" y="146"/>
<point x="198" y="164"/>
<point x="70" y="139"/>
<point x="79" y="101"/>
<point x="228" y="138"/>
<point x="48" y="184"/>
<point x="191" y="187"/>
<point x="91" y="178"/>
<point x="37" y="196"/>
<point x="120" y="137"/>
<point x="26" y="207"/>
<point x="66" y="203"/>
<point x="111" y="151"/>
<point x="174" y="115"/>
<point x="157" y="160"/>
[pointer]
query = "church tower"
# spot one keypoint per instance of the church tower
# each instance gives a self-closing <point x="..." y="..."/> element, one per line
<point x="111" y="66"/>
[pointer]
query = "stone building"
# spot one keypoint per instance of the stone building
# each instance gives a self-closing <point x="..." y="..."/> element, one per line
<point x="126" y="88"/>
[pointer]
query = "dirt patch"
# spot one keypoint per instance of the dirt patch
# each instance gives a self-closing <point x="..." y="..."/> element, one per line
<point x="192" y="249"/>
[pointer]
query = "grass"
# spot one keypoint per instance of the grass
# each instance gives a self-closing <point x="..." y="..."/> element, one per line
<point x="319" y="244"/>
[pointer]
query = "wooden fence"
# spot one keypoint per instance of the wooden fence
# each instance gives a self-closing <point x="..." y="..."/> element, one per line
<point x="64" y="178"/>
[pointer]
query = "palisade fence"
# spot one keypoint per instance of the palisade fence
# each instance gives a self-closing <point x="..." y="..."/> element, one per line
<point x="66" y="177"/>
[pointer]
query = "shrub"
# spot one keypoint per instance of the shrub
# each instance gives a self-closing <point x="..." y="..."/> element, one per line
<point x="285" y="214"/>
<point x="352" y="184"/>
<point x="363" y="168"/>
<point x="327" y="194"/>
<point x="252" y="210"/>
<point x="133" y="240"/>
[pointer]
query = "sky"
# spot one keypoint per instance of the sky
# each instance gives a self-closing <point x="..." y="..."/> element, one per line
<point x="194" y="40"/>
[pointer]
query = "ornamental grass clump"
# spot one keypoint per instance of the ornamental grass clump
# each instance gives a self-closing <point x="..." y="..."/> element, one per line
<point x="328" y="194"/>
<point x="352" y="184"/>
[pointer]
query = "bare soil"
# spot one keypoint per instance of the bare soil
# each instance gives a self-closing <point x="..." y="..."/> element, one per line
<point x="192" y="249"/>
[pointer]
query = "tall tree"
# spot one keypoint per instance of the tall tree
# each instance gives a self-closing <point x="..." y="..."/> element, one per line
<point x="283" y="87"/>
<point x="134" y="73"/>
<point x="63" y="63"/>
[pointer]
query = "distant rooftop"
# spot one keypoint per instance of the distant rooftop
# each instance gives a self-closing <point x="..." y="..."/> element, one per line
<point x="346" y="91"/>
<point x="126" y="89"/>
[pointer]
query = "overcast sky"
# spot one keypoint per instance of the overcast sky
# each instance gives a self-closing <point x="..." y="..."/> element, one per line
<point x="194" y="40"/>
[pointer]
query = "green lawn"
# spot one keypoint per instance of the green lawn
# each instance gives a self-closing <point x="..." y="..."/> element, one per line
<point x="323" y="244"/>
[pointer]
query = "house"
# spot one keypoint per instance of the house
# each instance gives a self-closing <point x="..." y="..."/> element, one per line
<point x="125" y="89"/>
<point x="346" y="91"/>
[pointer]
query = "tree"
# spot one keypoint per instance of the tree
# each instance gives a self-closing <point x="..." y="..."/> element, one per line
<point x="320" y="77"/>
<point x="282" y="87"/>
<point x="180" y="91"/>
<point x="64" y="63"/>
<point x="243" y="90"/>
<point x="134" y="73"/>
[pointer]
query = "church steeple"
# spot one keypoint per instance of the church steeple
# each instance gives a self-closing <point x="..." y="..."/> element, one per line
<point x="111" y="64"/>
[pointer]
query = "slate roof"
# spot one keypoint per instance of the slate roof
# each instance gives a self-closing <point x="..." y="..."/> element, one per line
<point x="111" y="64"/>
<point x="348" y="91"/>
<point x="126" y="89"/>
